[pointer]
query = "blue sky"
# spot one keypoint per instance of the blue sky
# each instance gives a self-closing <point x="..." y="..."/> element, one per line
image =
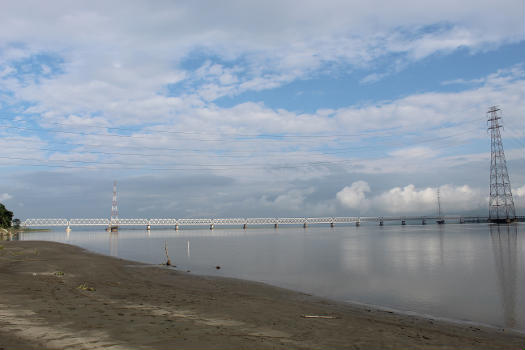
<point x="257" y="109"/>
<point x="329" y="90"/>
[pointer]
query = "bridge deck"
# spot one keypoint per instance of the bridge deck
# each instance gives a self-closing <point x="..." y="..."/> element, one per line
<point x="44" y="222"/>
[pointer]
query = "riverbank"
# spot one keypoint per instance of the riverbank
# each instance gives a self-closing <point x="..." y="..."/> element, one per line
<point x="59" y="296"/>
<point x="5" y="233"/>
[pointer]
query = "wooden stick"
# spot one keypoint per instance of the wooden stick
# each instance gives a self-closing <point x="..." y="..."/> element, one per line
<point x="168" y="262"/>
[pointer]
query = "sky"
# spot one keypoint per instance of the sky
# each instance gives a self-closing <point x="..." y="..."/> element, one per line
<point x="257" y="109"/>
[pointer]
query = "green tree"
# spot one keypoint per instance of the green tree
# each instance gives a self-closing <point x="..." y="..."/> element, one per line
<point x="16" y="223"/>
<point x="6" y="217"/>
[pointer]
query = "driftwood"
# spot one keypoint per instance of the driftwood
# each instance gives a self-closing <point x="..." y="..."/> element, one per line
<point x="319" y="316"/>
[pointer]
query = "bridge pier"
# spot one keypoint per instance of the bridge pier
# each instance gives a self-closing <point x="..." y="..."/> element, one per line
<point x="332" y="224"/>
<point x="357" y="223"/>
<point x="212" y="227"/>
<point x="148" y="227"/>
<point x="276" y="225"/>
<point x="176" y="227"/>
<point x="245" y="226"/>
<point x="461" y="220"/>
<point x="381" y="222"/>
<point x="68" y="229"/>
<point x="403" y="222"/>
<point x="423" y="222"/>
<point x="305" y="225"/>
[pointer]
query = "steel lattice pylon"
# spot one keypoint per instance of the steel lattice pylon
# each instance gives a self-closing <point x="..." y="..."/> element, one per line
<point x="114" y="208"/>
<point x="501" y="204"/>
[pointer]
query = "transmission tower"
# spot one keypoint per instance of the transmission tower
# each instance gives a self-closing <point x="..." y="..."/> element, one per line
<point x="113" y="222"/>
<point x="501" y="204"/>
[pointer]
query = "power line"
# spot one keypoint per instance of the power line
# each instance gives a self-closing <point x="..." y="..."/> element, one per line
<point x="205" y="165"/>
<point x="203" y="168"/>
<point x="186" y="166"/>
<point x="207" y="133"/>
<point x="335" y="151"/>
<point x="215" y="166"/>
<point x="283" y="153"/>
<point x="515" y="137"/>
<point x="255" y="139"/>
<point x="259" y="137"/>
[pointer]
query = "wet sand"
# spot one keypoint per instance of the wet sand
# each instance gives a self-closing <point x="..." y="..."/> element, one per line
<point x="58" y="296"/>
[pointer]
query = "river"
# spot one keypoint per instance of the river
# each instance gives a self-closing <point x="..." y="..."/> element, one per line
<point x="463" y="272"/>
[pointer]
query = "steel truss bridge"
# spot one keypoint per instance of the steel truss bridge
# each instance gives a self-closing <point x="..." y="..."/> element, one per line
<point x="245" y="222"/>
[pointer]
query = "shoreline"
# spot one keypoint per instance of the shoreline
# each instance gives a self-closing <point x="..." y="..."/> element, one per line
<point x="61" y="296"/>
<point x="452" y="321"/>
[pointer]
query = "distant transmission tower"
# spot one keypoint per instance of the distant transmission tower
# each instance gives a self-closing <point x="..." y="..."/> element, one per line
<point x="501" y="204"/>
<point x="113" y="222"/>
<point x="441" y="219"/>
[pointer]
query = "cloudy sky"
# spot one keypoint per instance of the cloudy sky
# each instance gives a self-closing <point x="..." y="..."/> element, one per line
<point x="268" y="108"/>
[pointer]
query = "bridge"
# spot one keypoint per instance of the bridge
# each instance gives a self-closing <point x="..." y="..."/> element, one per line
<point x="246" y="222"/>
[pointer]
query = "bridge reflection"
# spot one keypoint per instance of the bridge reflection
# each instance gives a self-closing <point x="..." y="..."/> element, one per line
<point x="113" y="244"/>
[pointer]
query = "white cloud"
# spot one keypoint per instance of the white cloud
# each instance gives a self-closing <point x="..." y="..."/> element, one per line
<point x="372" y="78"/>
<point x="158" y="67"/>
<point x="120" y="73"/>
<point x="461" y="81"/>
<point x="519" y="196"/>
<point x="291" y="200"/>
<point x="354" y="196"/>
<point x="409" y="200"/>
<point x="419" y="152"/>
<point x="5" y="196"/>
<point x="520" y="191"/>
<point x="432" y="109"/>
<point x="277" y="41"/>
<point x="391" y="137"/>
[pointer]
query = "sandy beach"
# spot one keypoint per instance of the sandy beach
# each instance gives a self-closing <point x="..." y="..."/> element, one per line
<point x="58" y="296"/>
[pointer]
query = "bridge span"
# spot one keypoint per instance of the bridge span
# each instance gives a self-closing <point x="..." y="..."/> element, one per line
<point x="245" y="222"/>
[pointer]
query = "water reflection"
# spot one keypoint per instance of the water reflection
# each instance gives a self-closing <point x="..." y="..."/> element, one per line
<point x="441" y="234"/>
<point x="8" y="236"/>
<point x="113" y="244"/>
<point x="504" y="247"/>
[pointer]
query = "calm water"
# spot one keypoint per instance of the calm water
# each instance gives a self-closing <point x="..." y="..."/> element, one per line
<point x="469" y="272"/>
